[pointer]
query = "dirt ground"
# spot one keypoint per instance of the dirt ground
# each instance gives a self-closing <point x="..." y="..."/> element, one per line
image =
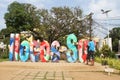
<point x="53" y="71"/>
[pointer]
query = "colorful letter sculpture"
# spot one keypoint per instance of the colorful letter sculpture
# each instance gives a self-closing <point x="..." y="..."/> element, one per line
<point x="35" y="50"/>
<point x="11" y="47"/>
<point x="17" y="44"/>
<point x="85" y="50"/>
<point x="71" y="40"/>
<point x="80" y="51"/>
<point x="24" y="51"/>
<point x="44" y="51"/>
<point x="54" y="49"/>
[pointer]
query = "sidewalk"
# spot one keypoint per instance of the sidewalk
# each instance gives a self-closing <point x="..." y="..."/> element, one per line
<point x="53" y="71"/>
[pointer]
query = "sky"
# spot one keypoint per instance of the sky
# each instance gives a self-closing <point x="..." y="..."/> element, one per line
<point x="87" y="6"/>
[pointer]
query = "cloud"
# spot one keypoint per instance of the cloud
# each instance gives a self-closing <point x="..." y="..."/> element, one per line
<point x="36" y="3"/>
<point x="96" y="6"/>
<point x="2" y="24"/>
<point x="86" y="5"/>
<point x="4" y="5"/>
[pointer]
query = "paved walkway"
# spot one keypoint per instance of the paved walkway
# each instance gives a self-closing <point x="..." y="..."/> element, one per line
<point x="53" y="71"/>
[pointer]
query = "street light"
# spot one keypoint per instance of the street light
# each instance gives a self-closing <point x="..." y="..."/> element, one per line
<point x="109" y="39"/>
<point x="106" y="12"/>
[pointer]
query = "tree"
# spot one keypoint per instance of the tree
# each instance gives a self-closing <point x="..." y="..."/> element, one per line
<point x="21" y="17"/>
<point x="115" y="35"/>
<point x="61" y="21"/>
<point x="53" y="24"/>
<point x="6" y="34"/>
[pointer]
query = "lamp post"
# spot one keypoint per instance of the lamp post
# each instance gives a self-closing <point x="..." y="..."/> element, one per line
<point x="109" y="39"/>
<point x="106" y="13"/>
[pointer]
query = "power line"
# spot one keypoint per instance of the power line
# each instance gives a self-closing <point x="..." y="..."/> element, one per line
<point x="98" y="24"/>
<point x="109" y="24"/>
<point x="101" y="31"/>
<point x="107" y="19"/>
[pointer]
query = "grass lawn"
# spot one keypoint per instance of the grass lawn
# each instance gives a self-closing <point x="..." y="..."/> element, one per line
<point x="6" y="59"/>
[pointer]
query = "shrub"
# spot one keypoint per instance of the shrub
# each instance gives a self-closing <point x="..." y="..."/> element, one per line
<point x="106" y="51"/>
<point x="97" y="53"/>
<point x="97" y="59"/>
<point x="4" y="54"/>
<point x="114" y="63"/>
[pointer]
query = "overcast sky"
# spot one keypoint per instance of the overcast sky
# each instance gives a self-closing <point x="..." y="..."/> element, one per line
<point x="87" y="6"/>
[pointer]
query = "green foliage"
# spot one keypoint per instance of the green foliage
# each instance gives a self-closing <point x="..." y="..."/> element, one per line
<point x="62" y="22"/>
<point x="53" y="24"/>
<point x="115" y="35"/>
<point x="97" y="52"/>
<point x="21" y="17"/>
<point x="114" y="63"/>
<point x="106" y="51"/>
<point x="115" y="43"/>
<point x="4" y="54"/>
<point x="98" y="59"/>
<point x="6" y="59"/>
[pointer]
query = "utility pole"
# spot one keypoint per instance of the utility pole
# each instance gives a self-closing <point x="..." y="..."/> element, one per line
<point x="90" y="21"/>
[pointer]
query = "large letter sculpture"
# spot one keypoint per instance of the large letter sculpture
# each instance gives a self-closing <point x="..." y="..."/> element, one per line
<point x="24" y="51"/>
<point x="44" y="51"/>
<point x="17" y="44"/>
<point x="54" y="48"/>
<point x="11" y="47"/>
<point x="71" y="39"/>
<point x="80" y="50"/>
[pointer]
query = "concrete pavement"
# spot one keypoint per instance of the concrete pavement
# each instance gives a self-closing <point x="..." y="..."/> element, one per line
<point x="53" y="71"/>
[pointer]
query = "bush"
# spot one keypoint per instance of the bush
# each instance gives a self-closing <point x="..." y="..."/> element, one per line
<point x="114" y="63"/>
<point x="97" y="59"/>
<point x="4" y="54"/>
<point x="106" y="51"/>
<point x="97" y="53"/>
